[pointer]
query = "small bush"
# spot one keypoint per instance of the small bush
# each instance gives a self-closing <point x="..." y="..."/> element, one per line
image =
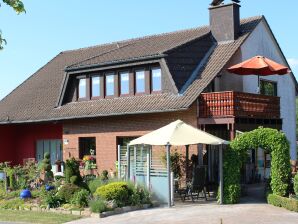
<point x="67" y="191"/>
<point x="296" y="184"/>
<point x="97" y="205"/>
<point x="80" y="198"/>
<point x="50" y="198"/>
<point x="120" y="192"/>
<point x="287" y="203"/>
<point x="71" y="171"/>
<point x="94" y="184"/>
<point x="14" y="204"/>
<point x="140" y="195"/>
<point x="104" y="176"/>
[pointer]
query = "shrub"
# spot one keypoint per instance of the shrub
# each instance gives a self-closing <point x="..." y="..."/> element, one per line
<point x="176" y="163"/>
<point x="287" y="203"/>
<point x="94" y="184"/>
<point x="72" y="172"/>
<point x="271" y="140"/>
<point x="15" y="203"/>
<point x="104" y="176"/>
<point x="296" y="184"/>
<point x="80" y="198"/>
<point x="232" y="180"/>
<point x="47" y="167"/>
<point x="50" y="198"/>
<point x="120" y="192"/>
<point x="67" y="191"/>
<point x="140" y="195"/>
<point x="97" y="205"/>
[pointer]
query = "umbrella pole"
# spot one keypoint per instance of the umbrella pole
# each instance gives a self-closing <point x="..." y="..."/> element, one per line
<point x="259" y="90"/>
<point x="169" y="174"/>
<point x="221" y="174"/>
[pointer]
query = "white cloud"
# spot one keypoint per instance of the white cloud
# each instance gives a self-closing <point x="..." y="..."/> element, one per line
<point x="293" y="62"/>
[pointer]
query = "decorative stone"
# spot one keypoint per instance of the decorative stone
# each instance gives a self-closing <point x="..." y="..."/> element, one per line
<point x="111" y="204"/>
<point x="95" y="215"/>
<point x="118" y="210"/>
<point x="86" y="212"/>
<point x="75" y="212"/>
<point x="134" y="208"/>
<point x="109" y="213"/>
<point x="25" y="194"/>
<point x="49" y="188"/>
<point x="146" y="206"/>
<point x="127" y="209"/>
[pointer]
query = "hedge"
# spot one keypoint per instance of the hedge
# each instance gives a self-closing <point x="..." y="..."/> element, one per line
<point x="287" y="203"/>
<point x="272" y="141"/>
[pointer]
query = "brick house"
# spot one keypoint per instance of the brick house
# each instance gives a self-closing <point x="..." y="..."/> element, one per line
<point x="103" y="96"/>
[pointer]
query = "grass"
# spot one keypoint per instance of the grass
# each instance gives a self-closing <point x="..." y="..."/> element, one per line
<point x="35" y="217"/>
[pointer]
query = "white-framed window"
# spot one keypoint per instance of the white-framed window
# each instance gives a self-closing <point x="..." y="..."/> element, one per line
<point x="140" y="81"/>
<point x="82" y="88"/>
<point x="155" y="79"/>
<point x="124" y="83"/>
<point x="110" y="84"/>
<point x="95" y="82"/>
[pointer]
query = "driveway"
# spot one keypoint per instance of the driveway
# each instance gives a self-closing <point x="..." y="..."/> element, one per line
<point x="248" y="213"/>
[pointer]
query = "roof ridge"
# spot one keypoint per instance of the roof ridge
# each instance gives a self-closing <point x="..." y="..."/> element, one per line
<point x="153" y="35"/>
<point x="138" y="38"/>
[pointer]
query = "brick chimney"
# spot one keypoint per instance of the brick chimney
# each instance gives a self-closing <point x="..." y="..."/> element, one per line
<point x="225" y="22"/>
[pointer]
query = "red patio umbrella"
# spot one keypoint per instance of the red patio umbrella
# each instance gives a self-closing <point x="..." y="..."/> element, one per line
<point x="260" y="66"/>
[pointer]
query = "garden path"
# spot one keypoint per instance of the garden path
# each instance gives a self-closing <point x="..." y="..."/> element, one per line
<point x="245" y="213"/>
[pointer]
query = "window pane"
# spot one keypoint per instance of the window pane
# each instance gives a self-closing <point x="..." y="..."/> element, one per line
<point x="82" y="88"/>
<point x="95" y="86"/>
<point x="140" y="81"/>
<point x="156" y="79"/>
<point x="110" y="85"/>
<point x="268" y="88"/>
<point x="124" y="83"/>
<point x="87" y="146"/>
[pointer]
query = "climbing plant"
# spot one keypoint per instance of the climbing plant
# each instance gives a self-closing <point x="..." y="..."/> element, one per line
<point x="273" y="142"/>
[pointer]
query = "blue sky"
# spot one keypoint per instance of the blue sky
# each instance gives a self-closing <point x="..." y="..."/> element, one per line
<point x="51" y="26"/>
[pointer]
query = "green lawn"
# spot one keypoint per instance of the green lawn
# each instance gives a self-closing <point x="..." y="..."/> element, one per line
<point x="35" y="217"/>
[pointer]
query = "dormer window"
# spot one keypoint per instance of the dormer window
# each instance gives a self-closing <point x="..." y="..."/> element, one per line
<point x="110" y="84"/>
<point x="128" y="81"/>
<point x="156" y="79"/>
<point x="140" y="81"/>
<point x="95" y="82"/>
<point x="124" y="83"/>
<point x="82" y="88"/>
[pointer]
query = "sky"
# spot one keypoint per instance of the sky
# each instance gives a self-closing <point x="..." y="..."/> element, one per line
<point x="52" y="26"/>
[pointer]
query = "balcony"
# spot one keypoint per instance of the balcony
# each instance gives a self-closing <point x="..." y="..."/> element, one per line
<point x="238" y="105"/>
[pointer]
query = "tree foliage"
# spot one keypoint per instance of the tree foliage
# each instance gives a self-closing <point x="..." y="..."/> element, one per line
<point x="18" y="7"/>
<point x="272" y="141"/>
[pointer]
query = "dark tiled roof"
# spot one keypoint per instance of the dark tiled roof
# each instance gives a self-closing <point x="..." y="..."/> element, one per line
<point x="36" y="98"/>
<point x="140" y="47"/>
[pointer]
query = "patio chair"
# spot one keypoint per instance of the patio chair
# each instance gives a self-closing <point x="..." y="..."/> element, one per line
<point x="196" y="187"/>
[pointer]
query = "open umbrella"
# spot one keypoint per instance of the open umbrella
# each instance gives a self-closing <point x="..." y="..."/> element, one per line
<point x="260" y="66"/>
<point x="178" y="133"/>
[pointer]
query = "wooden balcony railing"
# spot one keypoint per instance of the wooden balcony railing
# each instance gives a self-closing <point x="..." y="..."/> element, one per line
<point x="238" y="104"/>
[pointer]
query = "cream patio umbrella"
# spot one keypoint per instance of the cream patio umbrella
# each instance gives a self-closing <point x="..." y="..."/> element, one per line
<point x="179" y="133"/>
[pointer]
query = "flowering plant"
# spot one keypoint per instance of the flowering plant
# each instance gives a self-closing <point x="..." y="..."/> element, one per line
<point x="89" y="162"/>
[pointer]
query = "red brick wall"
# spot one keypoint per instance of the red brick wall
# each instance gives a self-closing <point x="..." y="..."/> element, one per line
<point x="107" y="129"/>
<point x="18" y="142"/>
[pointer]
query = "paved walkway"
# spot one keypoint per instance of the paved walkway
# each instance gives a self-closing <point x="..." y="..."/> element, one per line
<point x="250" y="213"/>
